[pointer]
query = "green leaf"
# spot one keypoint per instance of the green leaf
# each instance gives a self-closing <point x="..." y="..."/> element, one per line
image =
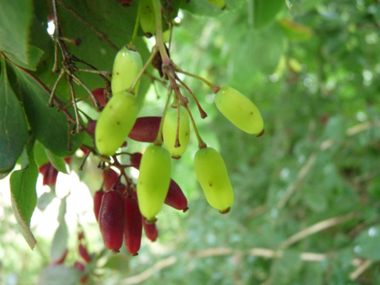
<point x="59" y="244"/>
<point x="49" y="126"/>
<point x="57" y="162"/>
<point x="62" y="211"/>
<point x="265" y="11"/>
<point x="13" y="127"/>
<point x="60" y="275"/>
<point x="15" y="20"/>
<point x="367" y="243"/>
<point x="34" y="56"/>
<point x="23" y="192"/>
<point x="40" y="155"/>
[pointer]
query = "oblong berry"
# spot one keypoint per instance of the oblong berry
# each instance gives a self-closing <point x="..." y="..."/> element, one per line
<point x="112" y="219"/>
<point x="133" y="228"/>
<point x="97" y="202"/>
<point x="145" y="129"/>
<point x="150" y="229"/>
<point x="211" y="173"/>
<point x="175" y="197"/>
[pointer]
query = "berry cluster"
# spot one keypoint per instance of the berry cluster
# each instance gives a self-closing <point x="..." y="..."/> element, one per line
<point x="123" y="207"/>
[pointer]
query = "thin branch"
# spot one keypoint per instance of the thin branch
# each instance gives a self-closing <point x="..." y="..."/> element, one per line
<point x="320" y="226"/>
<point x="363" y="267"/>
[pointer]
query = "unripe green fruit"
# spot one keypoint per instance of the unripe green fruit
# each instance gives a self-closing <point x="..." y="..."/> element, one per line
<point x="147" y="19"/>
<point x="218" y="3"/>
<point x="126" y="67"/>
<point x="169" y="131"/>
<point x="239" y="110"/>
<point x="153" y="182"/>
<point x="115" y="122"/>
<point x="212" y="174"/>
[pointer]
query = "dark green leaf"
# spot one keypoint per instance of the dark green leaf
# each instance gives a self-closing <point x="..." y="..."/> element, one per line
<point x="13" y="127"/>
<point x="23" y="193"/>
<point x="265" y="11"/>
<point x="57" y="162"/>
<point x="34" y="54"/>
<point x="60" y="275"/>
<point x="15" y="20"/>
<point x="49" y="126"/>
<point x="204" y="8"/>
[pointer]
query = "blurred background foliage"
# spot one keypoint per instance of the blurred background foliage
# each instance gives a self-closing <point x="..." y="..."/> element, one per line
<point x="307" y="193"/>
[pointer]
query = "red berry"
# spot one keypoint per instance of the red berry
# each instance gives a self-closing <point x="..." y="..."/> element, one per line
<point x="124" y="2"/>
<point x="83" y="252"/>
<point x="133" y="229"/>
<point x="150" y="230"/>
<point x="97" y="202"/>
<point x="110" y="178"/>
<point x="112" y="219"/>
<point x="91" y="126"/>
<point x="135" y="159"/>
<point x="175" y="197"/>
<point x="122" y="188"/>
<point x="99" y="94"/>
<point x="145" y="129"/>
<point x="81" y="234"/>
<point x="80" y="266"/>
<point x="49" y="174"/>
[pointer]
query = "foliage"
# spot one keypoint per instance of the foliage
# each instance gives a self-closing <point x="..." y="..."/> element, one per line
<point x="307" y="200"/>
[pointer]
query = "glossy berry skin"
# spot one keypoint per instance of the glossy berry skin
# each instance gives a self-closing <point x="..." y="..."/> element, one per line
<point x="211" y="173"/>
<point x="239" y="110"/>
<point x="147" y="18"/>
<point x="127" y="65"/>
<point x="218" y="3"/>
<point x="115" y="122"/>
<point x="150" y="229"/>
<point x="110" y="178"/>
<point x="145" y="129"/>
<point x="133" y="229"/>
<point x="97" y="202"/>
<point x="175" y="197"/>
<point x="112" y="219"/>
<point x="153" y="182"/>
<point x="169" y="131"/>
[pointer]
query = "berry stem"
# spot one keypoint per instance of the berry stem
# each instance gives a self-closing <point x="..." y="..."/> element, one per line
<point x="213" y="87"/>
<point x="201" y="143"/>
<point x="158" y="140"/>
<point x="137" y="23"/>
<point x="159" y="40"/>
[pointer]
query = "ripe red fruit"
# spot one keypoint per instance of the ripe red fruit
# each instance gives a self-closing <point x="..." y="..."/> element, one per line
<point x="135" y="159"/>
<point x="83" y="252"/>
<point x="80" y="266"/>
<point x="133" y="229"/>
<point x="122" y="188"/>
<point x="150" y="230"/>
<point x="112" y="219"/>
<point x="49" y="174"/>
<point x="175" y="197"/>
<point x="145" y="129"/>
<point x="110" y="178"/>
<point x="97" y="202"/>
<point x="91" y="125"/>
<point x="99" y="94"/>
